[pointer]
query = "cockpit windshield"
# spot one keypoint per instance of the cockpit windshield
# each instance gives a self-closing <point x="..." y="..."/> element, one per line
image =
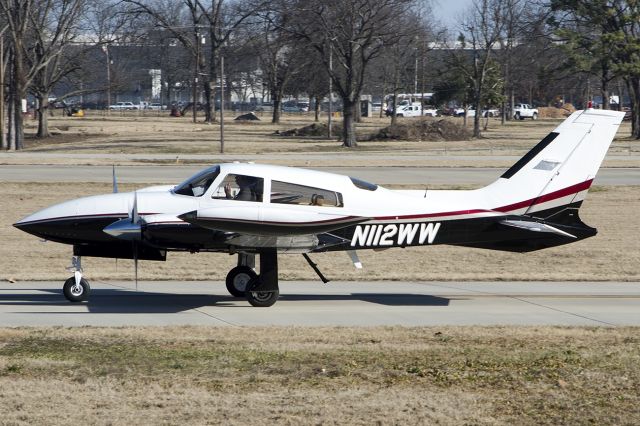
<point x="198" y="184"/>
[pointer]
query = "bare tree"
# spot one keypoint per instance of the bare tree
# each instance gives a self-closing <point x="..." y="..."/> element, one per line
<point x="481" y="28"/>
<point x="512" y="33"/>
<point x="347" y="35"/>
<point x="281" y="54"/>
<point x="212" y="22"/>
<point x="40" y="31"/>
<point x="17" y="13"/>
<point x="223" y="19"/>
<point x="184" y="20"/>
<point x="49" y="57"/>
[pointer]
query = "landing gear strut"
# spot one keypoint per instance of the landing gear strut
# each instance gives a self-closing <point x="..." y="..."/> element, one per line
<point x="76" y="289"/>
<point x="263" y="290"/>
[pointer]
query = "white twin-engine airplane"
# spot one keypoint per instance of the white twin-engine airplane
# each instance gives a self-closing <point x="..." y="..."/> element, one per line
<point x="251" y="209"/>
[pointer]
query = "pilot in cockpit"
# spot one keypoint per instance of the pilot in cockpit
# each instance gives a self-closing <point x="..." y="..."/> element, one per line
<point x="249" y="189"/>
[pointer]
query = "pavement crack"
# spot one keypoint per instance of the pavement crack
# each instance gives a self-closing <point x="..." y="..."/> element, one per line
<point x="526" y="301"/>
<point x="216" y="318"/>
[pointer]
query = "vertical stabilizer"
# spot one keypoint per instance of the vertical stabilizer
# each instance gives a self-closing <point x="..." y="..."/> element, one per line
<point x="560" y="169"/>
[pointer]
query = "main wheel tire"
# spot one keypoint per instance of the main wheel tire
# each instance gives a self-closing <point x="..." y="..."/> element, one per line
<point x="238" y="278"/>
<point x="76" y="293"/>
<point x="534" y="116"/>
<point x="262" y="299"/>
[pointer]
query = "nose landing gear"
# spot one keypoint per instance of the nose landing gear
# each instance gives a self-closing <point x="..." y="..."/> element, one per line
<point x="76" y="289"/>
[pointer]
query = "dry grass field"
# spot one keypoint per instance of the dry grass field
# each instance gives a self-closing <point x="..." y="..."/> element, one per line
<point x="320" y="376"/>
<point x="613" y="254"/>
<point x="154" y="133"/>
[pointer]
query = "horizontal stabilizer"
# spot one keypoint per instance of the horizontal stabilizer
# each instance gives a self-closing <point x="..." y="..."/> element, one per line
<point x="535" y="227"/>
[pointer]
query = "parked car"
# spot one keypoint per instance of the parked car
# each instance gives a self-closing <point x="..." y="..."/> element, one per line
<point x="459" y="112"/>
<point x="156" y="106"/>
<point x="291" y="108"/>
<point x="123" y="106"/>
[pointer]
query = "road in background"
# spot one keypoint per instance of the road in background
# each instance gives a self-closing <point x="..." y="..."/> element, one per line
<point x="175" y="174"/>
<point x="333" y="304"/>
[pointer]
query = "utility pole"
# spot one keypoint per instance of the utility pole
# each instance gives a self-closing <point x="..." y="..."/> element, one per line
<point x="105" y="49"/>
<point x="196" y="71"/>
<point x="221" y="104"/>
<point x="415" y="75"/>
<point x="330" y="89"/>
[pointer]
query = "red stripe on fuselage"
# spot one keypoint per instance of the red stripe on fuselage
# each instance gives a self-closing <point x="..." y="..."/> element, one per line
<point x="571" y="190"/>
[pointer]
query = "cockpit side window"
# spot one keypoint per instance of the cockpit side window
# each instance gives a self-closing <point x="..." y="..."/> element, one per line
<point x="241" y="188"/>
<point x="291" y="193"/>
<point x="198" y="184"/>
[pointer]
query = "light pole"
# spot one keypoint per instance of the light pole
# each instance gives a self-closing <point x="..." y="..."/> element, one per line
<point x="221" y="104"/>
<point x="194" y="91"/>
<point x="105" y="49"/>
<point x="330" y="89"/>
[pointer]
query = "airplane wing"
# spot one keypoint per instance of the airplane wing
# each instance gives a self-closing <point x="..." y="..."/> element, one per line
<point x="274" y="221"/>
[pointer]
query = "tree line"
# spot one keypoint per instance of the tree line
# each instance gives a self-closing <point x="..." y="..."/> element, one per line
<point x="496" y="53"/>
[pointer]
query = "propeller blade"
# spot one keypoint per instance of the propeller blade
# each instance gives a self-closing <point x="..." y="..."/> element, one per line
<point x="135" y="262"/>
<point x="115" y="181"/>
<point x="134" y="211"/>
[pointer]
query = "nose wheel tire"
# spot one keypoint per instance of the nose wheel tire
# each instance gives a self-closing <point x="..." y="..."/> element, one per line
<point x="238" y="278"/>
<point x="76" y="293"/>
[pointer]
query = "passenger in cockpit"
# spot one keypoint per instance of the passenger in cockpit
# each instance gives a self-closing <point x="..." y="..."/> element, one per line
<point x="248" y="186"/>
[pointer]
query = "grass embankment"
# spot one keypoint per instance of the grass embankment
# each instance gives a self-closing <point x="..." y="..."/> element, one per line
<point x="394" y="375"/>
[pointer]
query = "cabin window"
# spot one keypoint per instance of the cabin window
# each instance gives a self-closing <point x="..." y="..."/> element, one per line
<point x="241" y="188"/>
<point x="198" y="184"/>
<point x="291" y="193"/>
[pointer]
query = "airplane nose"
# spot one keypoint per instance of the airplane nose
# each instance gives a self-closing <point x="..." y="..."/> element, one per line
<point x="39" y="229"/>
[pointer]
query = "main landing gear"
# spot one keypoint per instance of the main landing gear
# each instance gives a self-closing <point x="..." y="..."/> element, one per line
<point x="260" y="290"/>
<point x="76" y="288"/>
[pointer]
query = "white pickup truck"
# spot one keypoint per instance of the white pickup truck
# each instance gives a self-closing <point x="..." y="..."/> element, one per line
<point x="522" y="111"/>
<point x="415" y="110"/>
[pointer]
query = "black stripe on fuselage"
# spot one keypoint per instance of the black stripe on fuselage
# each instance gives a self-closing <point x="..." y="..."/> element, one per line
<point x="529" y="156"/>
<point x="485" y="232"/>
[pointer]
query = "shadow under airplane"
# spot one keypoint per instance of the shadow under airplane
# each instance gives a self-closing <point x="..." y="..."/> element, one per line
<point x="115" y="301"/>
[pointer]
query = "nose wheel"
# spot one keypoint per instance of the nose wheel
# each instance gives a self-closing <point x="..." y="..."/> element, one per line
<point x="76" y="289"/>
<point x="76" y="292"/>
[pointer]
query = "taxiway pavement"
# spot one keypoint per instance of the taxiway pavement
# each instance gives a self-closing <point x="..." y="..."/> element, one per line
<point x="334" y="304"/>
<point x="384" y="175"/>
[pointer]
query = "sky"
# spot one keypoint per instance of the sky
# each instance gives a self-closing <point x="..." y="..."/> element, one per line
<point x="448" y="11"/>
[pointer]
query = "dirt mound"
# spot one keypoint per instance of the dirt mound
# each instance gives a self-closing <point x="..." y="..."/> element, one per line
<point x="315" y="129"/>
<point x="552" y="112"/>
<point x="247" y="117"/>
<point x="423" y="130"/>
